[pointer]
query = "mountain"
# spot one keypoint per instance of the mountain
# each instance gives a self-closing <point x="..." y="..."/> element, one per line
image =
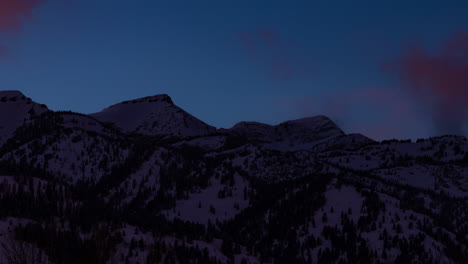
<point x="145" y="182"/>
<point x="291" y="135"/>
<point x="15" y="108"/>
<point x="154" y="115"/>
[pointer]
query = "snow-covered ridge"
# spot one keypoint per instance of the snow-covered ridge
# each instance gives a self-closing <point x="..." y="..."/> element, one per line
<point x="155" y="98"/>
<point x="154" y="115"/>
<point x="15" y="108"/>
<point x="325" y="197"/>
<point x="11" y="93"/>
<point x="297" y="134"/>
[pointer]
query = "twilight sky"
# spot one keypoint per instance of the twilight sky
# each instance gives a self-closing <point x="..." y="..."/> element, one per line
<point x="387" y="69"/>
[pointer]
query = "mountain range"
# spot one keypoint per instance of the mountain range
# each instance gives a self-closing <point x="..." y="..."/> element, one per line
<point x="143" y="181"/>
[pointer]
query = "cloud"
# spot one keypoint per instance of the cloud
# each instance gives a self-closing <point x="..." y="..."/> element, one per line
<point x="377" y="112"/>
<point x="13" y="13"/>
<point x="438" y="80"/>
<point x="269" y="50"/>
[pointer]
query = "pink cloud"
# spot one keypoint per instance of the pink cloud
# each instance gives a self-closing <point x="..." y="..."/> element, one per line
<point x="13" y="13"/>
<point x="439" y="81"/>
<point x="377" y="112"/>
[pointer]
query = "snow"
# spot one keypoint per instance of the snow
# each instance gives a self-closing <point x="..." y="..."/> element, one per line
<point x="7" y="227"/>
<point x="10" y="182"/>
<point x="133" y="233"/>
<point x="405" y="163"/>
<point x="89" y="149"/>
<point x="294" y="135"/>
<point x="344" y="198"/>
<point x="147" y="176"/>
<point x="197" y="207"/>
<point x="14" y="110"/>
<point x="208" y="142"/>
<point x="65" y="155"/>
<point x="155" y="115"/>
<point x="85" y="123"/>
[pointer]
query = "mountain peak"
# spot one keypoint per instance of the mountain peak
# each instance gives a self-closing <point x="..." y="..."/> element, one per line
<point x="11" y="94"/>
<point x="250" y="124"/>
<point x="154" y="115"/>
<point x="15" y="108"/>
<point x="319" y="122"/>
<point x="311" y="119"/>
<point x="152" y="99"/>
<point x="161" y="98"/>
<point x="292" y="134"/>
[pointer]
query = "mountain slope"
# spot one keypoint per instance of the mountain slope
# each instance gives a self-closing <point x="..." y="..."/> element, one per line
<point x="74" y="189"/>
<point x="15" y="108"/>
<point x="70" y="146"/>
<point x="154" y="115"/>
<point x="290" y="135"/>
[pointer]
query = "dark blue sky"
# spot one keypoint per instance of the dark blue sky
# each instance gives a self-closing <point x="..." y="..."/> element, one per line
<point x="229" y="61"/>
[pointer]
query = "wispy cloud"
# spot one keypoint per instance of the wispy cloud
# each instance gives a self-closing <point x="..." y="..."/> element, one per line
<point x="13" y="13"/>
<point x="438" y="80"/>
<point x="433" y="87"/>
<point x="377" y="112"/>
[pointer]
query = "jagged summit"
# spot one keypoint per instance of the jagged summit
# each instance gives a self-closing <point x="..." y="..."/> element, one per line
<point x="154" y="115"/>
